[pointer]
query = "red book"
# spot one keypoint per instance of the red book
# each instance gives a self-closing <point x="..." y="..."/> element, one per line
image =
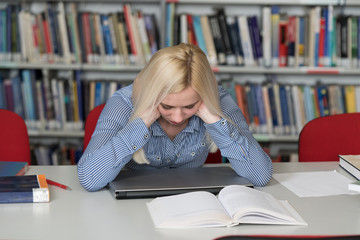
<point x="129" y="25"/>
<point x="47" y="36"/>
<point x="241" y="101"/>
<point x="321" y="42"/>
<point x="191" y="31"/>
<point x="87" y="35"/>
<point x="283" y="43"/>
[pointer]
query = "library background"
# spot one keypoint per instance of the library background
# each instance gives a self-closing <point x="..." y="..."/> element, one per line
<point x="284" y="62"/>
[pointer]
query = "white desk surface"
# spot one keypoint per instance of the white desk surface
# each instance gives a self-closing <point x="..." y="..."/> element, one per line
<point x="79" y="214"/>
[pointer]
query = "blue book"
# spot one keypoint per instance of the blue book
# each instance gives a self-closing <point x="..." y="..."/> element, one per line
<point x="255" y="38"/>
<point x="302" y="41"/>
<point x="284" y="109"/>
<point x="24" y="189"/>
<point x="28" y="95"/>
<point x="323" y="99"/>
<point x="2" y="94"/>
<point x="13" y="168"/>
<point x="107" y="34"/>
<point x="325" y="15"/>
<point x="2" y="32"/>
<point x="199" y="33"/>
<point x="18" y="96"/>
<point x="79" y="94"/>
<point x="97" y="93"/>
<point x="308" y="103"/>
<point x="273" y="106"/>
<point x="261" y="107"/>
<point x="170" y="11"/>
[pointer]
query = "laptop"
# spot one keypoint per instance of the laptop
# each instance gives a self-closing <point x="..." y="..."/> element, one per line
<point x="169" y="181"/>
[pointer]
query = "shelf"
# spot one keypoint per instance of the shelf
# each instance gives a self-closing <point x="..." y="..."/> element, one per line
<point x="55" y="134"/>
<point x="267" y="2"/>
<point x="276" y="138"/>
<point x="216" y="69"/>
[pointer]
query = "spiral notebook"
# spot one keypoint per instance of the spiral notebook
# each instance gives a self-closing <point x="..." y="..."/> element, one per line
<point x="170" y="181"/>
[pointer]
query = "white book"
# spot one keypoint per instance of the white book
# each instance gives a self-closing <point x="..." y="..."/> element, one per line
<point x="143" y="35"/>
<point x="209" y="41"/>
<point x="297" y="111"/>
<point x="64" y="33"/>
<point x="351" y="163"/>
<point x="183" y="28"/>
<point x="246" y="41"/>
<point x="234" y="205"/>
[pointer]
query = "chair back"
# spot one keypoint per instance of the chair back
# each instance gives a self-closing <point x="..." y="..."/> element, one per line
<point x="14" y="139"/>
<point x="324" y="138"/>
<point x="91" y="122"/>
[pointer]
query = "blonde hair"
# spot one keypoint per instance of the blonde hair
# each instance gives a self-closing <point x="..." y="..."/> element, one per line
<point x="171" y="70"/>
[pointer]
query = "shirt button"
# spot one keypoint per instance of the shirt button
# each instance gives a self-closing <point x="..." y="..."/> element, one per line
<point x="203" y="144"/>
<point x="146" y="136"/>
<point x="168" y="160"/>
<point x="134" y="147"/>
<point x="232" y="135"/>
<point x="192" y="154"/>
<point x="223" y="122"/>
<point x="157" y="158"/>
<point x="178" y="155"/>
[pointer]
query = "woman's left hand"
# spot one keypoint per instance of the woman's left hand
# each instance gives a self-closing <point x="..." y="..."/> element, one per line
<point x="204" y="113"/>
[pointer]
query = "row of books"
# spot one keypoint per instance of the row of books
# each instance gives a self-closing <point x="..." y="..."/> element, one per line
<point x="55" y="103"/>
<point x="68" y="154"/>
<point x="48" y="102"/>
<point x="283" y="109"/>
<point x="274" y="39"/>
<point x="56" y="35"/>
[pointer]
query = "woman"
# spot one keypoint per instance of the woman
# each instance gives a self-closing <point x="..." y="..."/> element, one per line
<point x="173" y="115"/>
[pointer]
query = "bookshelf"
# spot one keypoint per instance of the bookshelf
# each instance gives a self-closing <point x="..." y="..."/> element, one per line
<point x="124" y="73"/>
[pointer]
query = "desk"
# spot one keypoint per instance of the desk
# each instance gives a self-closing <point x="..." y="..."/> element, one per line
<point x="79" y="214"/>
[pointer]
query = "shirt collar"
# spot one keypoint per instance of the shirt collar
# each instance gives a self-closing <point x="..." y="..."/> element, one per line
<point x="193" y="125"/>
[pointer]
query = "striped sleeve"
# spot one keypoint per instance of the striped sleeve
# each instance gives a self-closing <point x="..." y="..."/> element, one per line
<point x="237" y="144"/>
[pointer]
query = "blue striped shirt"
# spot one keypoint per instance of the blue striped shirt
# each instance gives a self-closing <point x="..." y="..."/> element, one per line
<point x="116" y="139"/>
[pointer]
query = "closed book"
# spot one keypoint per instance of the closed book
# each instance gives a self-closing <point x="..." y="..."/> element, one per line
<point x="209" y="41"/>
<point x="351" y="163"/>
<point x="13" y="168"/>
<point x="255" y="37"/>
<point x="217" y="37"/>
<point x="24" y="189"/>
<point x="234" y="34"/>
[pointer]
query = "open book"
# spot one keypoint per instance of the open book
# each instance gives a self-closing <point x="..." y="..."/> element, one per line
<point x="234" y="204"/>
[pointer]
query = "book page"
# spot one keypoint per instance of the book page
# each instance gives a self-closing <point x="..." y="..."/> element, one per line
<point x="248" y="205"/>
<point x="194" y="209"/>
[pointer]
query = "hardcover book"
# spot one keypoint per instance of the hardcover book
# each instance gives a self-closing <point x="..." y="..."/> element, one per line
<point x="234" y="205"/>
<point x="351" y="163"/>
<point x="24" y="189"/>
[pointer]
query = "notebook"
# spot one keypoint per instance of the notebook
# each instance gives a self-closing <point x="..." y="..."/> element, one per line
<point x="170" y="181"/>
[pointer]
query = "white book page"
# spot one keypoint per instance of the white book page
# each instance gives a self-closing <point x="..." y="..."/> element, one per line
<point x="194" y="209"/>
<point x="247" y="205"/>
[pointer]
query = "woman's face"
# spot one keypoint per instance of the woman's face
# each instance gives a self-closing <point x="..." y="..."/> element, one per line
<point x="177" y="108"/>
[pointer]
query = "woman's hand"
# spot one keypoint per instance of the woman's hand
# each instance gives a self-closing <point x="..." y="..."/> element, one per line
<point x="204" y="113"/>
<point x="149" y="117"/>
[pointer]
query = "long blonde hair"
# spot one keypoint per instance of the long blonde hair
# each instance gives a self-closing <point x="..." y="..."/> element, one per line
<point x="171" y="70"/>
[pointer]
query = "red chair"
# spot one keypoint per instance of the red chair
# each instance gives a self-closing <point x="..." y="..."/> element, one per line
<point x="324" y="138"/>
<point x="14" y="139"/>
<point x="91" y="122"/>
